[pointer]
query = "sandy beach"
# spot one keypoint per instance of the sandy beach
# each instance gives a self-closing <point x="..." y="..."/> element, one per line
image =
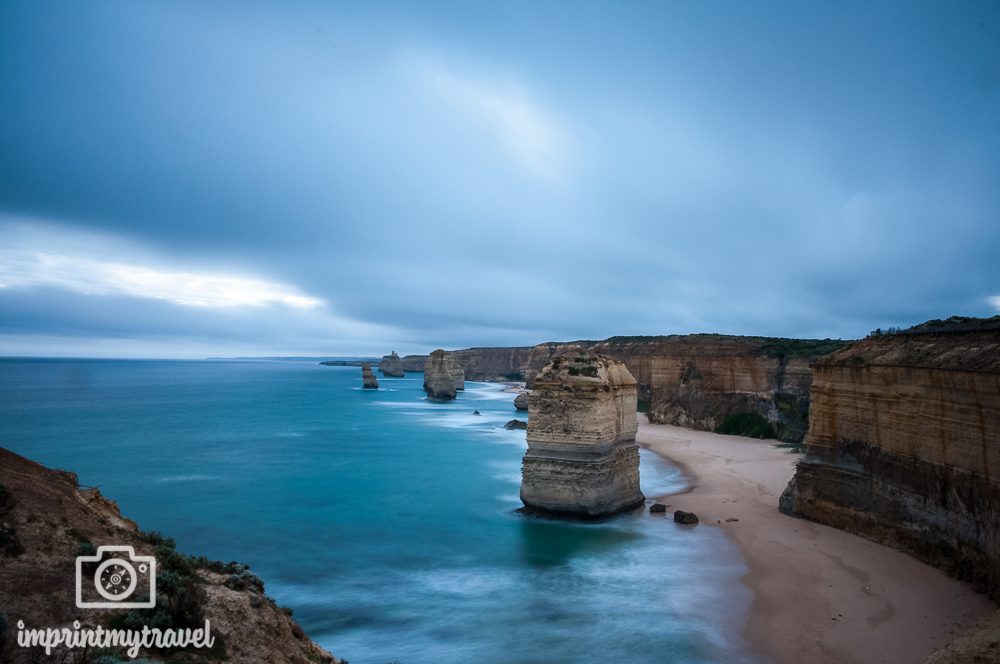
<point x="820" y="594"/>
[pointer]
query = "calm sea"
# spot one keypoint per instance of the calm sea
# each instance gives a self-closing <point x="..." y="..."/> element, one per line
<point x="386" y="521"/>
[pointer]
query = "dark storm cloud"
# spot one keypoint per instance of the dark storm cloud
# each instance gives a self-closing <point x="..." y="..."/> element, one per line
<point x="501" y="174"/>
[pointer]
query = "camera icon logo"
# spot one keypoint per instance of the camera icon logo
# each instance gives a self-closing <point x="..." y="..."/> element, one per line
<point x="121" y="579"/>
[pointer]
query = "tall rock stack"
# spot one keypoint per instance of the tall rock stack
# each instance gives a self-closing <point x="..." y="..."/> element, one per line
<point x="904" y="448"/>
<point x="442" y="376"/>
<point x="368" y="378"/>
<point x="391" y="366"/>
<point x="582" y="459"/>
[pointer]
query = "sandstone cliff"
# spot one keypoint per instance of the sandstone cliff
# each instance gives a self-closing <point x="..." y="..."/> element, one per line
<point x="747" y="385"/>
<point x="391" y="366"/>
<point x="441" y="375"/>
<point x="47" y="521"/>
<point x="482" y="364"/>
<point x="368" y="380"/>
<point x="904" y="448"/>
<point x="582" y="459"/>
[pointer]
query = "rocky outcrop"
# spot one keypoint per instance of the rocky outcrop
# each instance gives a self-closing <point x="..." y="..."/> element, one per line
<point x="521" y="401"/>
<point x="442" y="375"/>
<point x="391" y="366"/>
<point x="748" y="385"/>
<point x="55" y="521"/>
<point x="516" y="425"/>
<point x="582" y="459"/>
<point x="369" y="382"/>
<point x="904" y="448"/>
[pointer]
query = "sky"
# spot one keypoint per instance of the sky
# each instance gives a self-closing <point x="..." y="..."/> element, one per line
<point x="185" y="179"/>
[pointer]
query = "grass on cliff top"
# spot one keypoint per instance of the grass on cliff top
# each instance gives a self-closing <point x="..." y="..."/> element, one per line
<point x="779" y="347"/>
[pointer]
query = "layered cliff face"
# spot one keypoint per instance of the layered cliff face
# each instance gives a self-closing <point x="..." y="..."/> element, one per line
<point x="46" y="521"/>
<point x="368" y="380"/>
<point x="482" y="364"/>
<point x="391" y="366"/>
<point x="582" y="459"/>
<point x="904" y="448"/>
<point x="442" y="375"/>
<point x="713" y="382"/>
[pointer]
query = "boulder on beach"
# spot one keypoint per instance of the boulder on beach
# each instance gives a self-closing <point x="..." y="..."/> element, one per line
<point x="657" y="508"/>
<point x="680" y="516"/>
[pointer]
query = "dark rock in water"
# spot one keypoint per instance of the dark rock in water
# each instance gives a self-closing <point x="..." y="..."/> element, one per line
<point x="515" y="424"/>
<point x="521" y="401"/>
<point x="680" y="516"/>
<point x="732" y="519"/>
<point x="391" y="366"/>
<point x="657" y="508"/>
<point x="476" y="412"/>
<point x="369" y="382"/>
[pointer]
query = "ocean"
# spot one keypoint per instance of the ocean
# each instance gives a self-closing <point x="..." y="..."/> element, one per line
<point x="386" y="521"/>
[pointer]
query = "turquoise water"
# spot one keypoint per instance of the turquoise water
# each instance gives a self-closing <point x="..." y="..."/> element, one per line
<point x="386" y="521"/>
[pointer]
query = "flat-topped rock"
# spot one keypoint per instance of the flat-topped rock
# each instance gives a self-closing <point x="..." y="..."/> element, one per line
<point x="582" y="459"/>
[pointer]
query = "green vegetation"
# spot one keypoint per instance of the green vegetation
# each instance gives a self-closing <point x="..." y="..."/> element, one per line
<point x="515" y="376"/>
<point x="750" y="425"/>
<point x="642" y="405"/>
<point x="180" y="597"/>
<point x="807" y="348"/>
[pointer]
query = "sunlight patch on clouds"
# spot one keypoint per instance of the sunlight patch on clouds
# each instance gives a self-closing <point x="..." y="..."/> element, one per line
<point x="530" y="133"/>
<point x="69" y="268"/>
<point x="995" y="302"/>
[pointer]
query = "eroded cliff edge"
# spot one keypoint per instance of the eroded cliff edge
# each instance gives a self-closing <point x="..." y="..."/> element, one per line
<point x="904" y="448"/>
<point x="46" y="520"/>
<point x="713" y="382"/>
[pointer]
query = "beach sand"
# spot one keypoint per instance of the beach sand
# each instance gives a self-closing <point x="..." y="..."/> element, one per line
<point x="820" y="594"/>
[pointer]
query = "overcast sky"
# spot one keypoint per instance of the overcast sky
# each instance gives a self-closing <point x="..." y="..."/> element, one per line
<point x="193" y="178"/>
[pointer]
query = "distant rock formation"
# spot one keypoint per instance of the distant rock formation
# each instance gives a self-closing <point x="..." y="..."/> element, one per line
<point x="756" y="386"/>
<point x="521" y="401"/>
<point x="486" y="364"/>
<point x="391" y="366"/>
<point x="582" y="459"/>
<point x="904" y="447"/>
<point x="368" y="378"/>
<point x="514" y="425"/>
<point x="442" y="375"/>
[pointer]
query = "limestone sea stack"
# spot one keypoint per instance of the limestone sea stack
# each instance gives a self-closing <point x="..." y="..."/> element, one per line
<point x="391" y="366"/>
<point x="440" y="375"/>
<point x="582" y="459"/>
<point x="368" y="378"/>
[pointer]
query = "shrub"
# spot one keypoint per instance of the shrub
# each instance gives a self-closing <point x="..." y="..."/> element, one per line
<point x="750" y="425"/>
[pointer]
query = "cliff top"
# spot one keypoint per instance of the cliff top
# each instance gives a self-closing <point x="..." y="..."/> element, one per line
<point x="724" y="344"/>
<point x="961" y="349"/>
<point x="585" y="369"/>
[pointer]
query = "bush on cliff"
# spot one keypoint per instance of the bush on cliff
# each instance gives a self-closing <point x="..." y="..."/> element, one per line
<point x="750" y="425"/>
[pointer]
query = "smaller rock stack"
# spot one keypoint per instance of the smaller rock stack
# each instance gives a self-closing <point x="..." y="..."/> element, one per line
<point x="521" y="401"/>
<point x="391" y="366"/>
<point x="442" y="376"/>
<point x="368" y="378"/>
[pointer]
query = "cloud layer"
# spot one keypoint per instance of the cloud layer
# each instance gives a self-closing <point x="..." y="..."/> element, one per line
<point x="312" y="179"/>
